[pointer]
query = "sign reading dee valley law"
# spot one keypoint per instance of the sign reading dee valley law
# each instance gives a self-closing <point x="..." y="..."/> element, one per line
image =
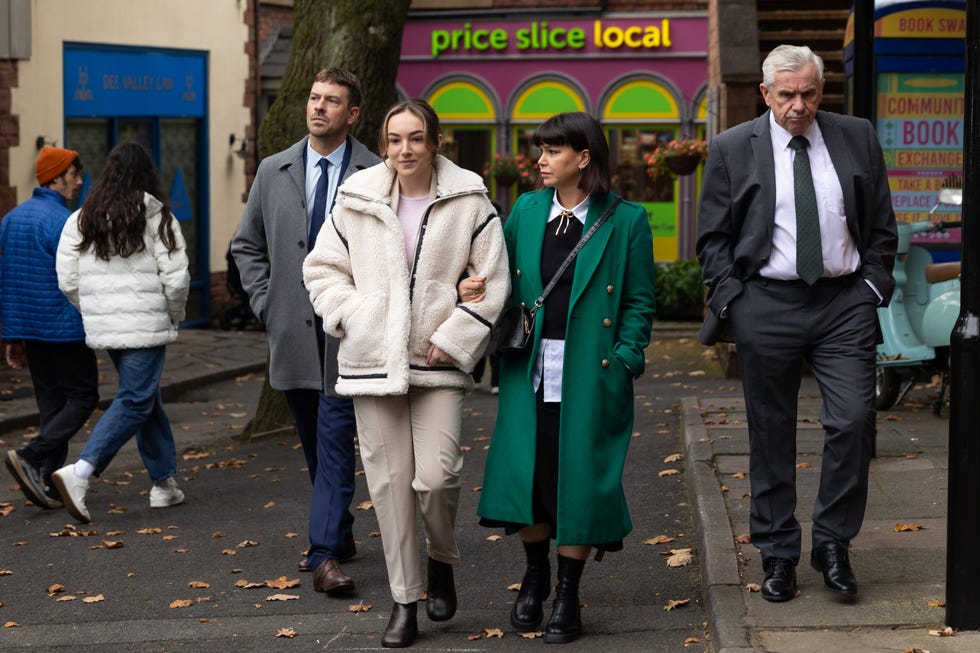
<point x="554" y="36"/>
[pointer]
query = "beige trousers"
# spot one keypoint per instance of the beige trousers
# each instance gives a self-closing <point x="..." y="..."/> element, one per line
<point x="410" y="451"/>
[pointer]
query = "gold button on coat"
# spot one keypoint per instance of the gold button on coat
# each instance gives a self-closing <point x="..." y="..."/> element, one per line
<point x="518" y="272"/>
<point x="607" y="322"/>
<point x="609" y="289"/>
<point x="605" y="362"/>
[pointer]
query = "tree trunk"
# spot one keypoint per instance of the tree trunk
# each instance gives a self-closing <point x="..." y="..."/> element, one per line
<point x="363" y="36"/>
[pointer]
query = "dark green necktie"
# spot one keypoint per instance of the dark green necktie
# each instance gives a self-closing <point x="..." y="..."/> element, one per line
<point x="809" y="255"/>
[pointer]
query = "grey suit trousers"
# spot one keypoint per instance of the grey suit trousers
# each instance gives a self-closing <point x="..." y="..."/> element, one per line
<point x="777" y="325"/>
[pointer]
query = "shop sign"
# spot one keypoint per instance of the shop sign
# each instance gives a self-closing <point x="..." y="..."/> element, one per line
<point x="544" y="36"/>
<point x="920" y="126"/>
<point x="131" y="82"/>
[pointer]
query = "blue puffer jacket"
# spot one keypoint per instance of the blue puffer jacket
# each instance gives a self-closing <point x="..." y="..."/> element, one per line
<point x="31" y="305"/>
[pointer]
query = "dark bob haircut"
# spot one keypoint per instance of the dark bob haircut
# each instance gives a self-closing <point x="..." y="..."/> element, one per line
<point x="580" y="131"/>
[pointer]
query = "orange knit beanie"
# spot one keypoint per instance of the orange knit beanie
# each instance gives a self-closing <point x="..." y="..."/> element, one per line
<point x="52" y="162"/>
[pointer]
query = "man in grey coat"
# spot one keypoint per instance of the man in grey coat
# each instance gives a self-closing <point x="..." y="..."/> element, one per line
<point x="289" y="200"/>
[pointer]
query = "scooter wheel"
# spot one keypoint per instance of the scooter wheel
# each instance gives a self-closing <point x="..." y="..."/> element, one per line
<point x="887" y="386"/>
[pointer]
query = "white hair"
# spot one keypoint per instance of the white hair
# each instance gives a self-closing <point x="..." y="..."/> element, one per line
<point x="789" y="57"/>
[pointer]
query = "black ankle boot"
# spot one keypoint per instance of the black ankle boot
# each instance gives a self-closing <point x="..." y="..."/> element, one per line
<point x="402" y="627"/>
<point x="440" y="603"/>
<point x="565" y="624"/>
<point x="528" y="612"/>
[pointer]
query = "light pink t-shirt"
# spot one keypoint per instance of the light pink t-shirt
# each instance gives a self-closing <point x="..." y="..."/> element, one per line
<point x="410" y="212"/>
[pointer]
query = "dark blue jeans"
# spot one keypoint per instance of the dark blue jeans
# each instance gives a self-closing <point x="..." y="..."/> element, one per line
<point x="137" y="410"/>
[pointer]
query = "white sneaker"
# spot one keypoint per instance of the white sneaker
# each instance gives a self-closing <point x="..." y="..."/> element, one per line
<point x="72" y="490"/>
<point x="166" y="494"/>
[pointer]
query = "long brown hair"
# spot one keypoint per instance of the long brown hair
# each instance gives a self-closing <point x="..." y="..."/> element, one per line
<point x="113" y="218"/>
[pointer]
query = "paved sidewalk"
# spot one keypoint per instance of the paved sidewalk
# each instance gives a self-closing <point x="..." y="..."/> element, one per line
<point x="199" y="357"/>
<point x="899" y="573"/>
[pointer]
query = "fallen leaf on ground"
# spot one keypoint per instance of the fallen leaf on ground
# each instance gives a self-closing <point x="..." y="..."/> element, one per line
<point x="244" y="584"/>
<point x="675" y="603"/>
<point x="753" y="587"/>
<point x="514" y="587"/>
<point x="674" y="457"/>
<point x="62" y="599"/>
<point x="659" y="539"/>
<point x="803" y="465"/>
<point x="533" y="635"/>
<point x="494" y="538"/>
<point x="691" y="640"/>
<point x="217" y="534"/>
<point x="271" y="504"/>
<point x="228" y="552"/>
<point x="908" y="528"/>
<point x="282" y="597"/>
<point x="286" y="632"/>
<point x="738" y="475"/>
<point x="679" y="557"/>
<point x="11" y="624"/>
<point x="743" y="538"/>
<point x="283" y="583"/>
<point x="668" y="472"/>
<point x="195" y="455"/>
<point x="359" y="607"/>
<point x="247" y="543"/>
<point x="149" y="531"/>
<point x="93" y="599"/>
<point x="55" y="589"/>
<point x="198" y="584"/>
<point x="365" y="505"/>
<point x="181" y="603"/>
<point x="937" y="604"/>
<point x="945" y="632"/>
<point x="488" y="633"/>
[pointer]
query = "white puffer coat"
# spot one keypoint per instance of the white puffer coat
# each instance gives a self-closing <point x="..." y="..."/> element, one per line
<point x="387" y="311"/>
<point x="126" y="303"/>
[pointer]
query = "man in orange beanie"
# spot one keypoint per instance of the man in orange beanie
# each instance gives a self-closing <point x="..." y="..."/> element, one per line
<point x="41" y="328"/>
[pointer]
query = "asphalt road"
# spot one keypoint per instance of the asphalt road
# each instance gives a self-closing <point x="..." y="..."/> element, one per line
<point x="171" y="580"/>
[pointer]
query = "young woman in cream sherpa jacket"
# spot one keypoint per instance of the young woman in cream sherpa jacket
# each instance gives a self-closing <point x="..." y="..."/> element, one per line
<point x="383" y="275"/>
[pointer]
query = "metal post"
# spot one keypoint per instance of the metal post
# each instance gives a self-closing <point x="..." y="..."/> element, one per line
<point x="864" y="84"/>
<point x="963" y="506"/>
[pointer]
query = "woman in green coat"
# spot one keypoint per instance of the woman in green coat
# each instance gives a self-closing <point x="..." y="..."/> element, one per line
<point x="565" y="417"/>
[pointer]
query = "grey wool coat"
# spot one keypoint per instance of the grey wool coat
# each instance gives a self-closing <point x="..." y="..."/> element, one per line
<point x="269" y="248"/>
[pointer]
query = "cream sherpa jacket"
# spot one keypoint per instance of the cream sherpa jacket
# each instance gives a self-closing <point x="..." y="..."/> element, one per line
<point x="387" y="310"/>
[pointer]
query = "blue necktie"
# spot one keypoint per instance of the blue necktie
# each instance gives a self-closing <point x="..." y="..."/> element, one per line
<point x="319" y="204"/>
<point x="809" y="252"/>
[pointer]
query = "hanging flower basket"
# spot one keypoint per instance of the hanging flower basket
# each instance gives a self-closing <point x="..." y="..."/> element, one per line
<point x="683" y="164"/>
<point x="678" y="157"/>
<point x="507" y="170"/>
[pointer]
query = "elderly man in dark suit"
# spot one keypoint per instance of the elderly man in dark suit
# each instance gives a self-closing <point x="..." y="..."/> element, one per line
<point x="797" y="241"/>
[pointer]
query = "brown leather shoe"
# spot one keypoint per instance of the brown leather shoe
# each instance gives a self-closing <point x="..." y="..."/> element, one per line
<point x="328" y="577"/>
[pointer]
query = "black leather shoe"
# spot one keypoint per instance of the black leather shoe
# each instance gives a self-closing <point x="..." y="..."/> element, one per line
<point x="403" y="626"/>
<point x="440" y="602"/>
<point x="832" y="560"/>
<point x="780" y="582"/>
<point x="565" y="624"/>
<point x="528" y="611"/>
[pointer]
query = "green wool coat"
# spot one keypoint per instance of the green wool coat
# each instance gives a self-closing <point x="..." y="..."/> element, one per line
<point x="609" y="324"/>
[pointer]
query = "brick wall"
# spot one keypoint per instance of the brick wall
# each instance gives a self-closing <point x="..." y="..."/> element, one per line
<point x="9" y="134"/>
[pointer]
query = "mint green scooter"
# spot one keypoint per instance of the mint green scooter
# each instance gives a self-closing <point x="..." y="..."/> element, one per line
<point x="917" y="324"/>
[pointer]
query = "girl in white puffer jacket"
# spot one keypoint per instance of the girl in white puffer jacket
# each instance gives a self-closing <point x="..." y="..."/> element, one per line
<point x="122" y="262"/>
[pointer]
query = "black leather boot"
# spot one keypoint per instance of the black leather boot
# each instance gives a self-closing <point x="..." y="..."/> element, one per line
<point x="528" y="611"/>
<point x="403" y="626"/>
<point x="440" y="603"/>
<point x="565" y="624"/>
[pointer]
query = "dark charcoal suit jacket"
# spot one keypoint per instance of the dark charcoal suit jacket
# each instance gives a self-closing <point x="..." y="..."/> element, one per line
<point x="738" y="198"/>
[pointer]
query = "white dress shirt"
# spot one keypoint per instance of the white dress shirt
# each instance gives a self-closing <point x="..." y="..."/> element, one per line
<point x="840" y="255"/>
<point x="336" y="159"/>
<point x="551" y="354"/>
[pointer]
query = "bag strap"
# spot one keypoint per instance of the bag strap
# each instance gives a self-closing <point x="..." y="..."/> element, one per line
<point x="539" y="302"/>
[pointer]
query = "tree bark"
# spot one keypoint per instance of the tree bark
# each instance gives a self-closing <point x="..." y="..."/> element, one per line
<point x="363" y="36"/>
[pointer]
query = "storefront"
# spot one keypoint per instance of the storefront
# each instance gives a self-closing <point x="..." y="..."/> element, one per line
<point x="919" y="64"/>
<point x="156" y="98"/>
<point x="642" y="75"/>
